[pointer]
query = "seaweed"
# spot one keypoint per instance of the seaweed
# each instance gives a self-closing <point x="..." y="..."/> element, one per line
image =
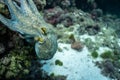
<point x="107" y="54"/>
<point x="58" y="62"/>
<point x="94" y="54"/>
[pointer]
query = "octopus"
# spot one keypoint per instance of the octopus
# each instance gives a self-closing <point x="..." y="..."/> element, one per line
<point x="27" y="21"/>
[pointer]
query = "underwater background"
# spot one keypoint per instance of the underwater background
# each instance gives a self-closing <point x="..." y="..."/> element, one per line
<point x="82" y="40"/>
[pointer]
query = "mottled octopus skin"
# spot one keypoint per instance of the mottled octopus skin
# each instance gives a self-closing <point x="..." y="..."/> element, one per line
<point x="26" y="19"/>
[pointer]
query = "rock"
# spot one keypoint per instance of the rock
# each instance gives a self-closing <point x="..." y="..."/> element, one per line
<point x="77" y="46"/>
<point x="108" y="66"/>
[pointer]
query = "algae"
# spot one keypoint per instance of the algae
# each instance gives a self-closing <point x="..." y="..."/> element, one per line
<point x="107" y="54"/>
<point x="52" y="74"/>
<point x="94" y="54"/>
<point x="59" y="63"/>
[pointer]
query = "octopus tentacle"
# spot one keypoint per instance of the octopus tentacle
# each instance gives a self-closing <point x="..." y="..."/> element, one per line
<point x="24" y="6"/>
<point x="13" y="10"/>
<point x="33" y="7"/>
<point x="4" y="20"/>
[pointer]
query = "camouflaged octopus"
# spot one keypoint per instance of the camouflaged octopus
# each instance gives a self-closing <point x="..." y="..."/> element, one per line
<point x="26" y="19"/>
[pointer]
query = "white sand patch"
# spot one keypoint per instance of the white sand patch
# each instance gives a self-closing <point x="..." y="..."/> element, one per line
<point x="103" y="49"/>
<point x="76" y="65"/>
<point x="85" y="36"/>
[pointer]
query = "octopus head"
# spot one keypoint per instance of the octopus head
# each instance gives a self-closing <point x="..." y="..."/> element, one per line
<point x="46" y="47"/>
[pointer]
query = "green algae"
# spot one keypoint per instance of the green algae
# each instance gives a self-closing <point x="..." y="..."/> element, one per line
<point x="72" y="38"/>
<point x="107" y="54"/>
<point x="52" y="74"/>
<point x="58" y="62"/>
<point x="59" y="49"/>
<point x="94" y="54"/>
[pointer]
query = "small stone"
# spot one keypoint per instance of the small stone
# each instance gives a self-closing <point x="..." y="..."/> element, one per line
<point x="77" y="46"/>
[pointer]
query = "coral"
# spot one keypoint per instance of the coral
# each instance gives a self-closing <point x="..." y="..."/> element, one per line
<point x="26" y="20"/>
<point x="64" y="4"/>
<point x="16" y="63"/>
<point x="52" y="15"/>
<point x="58" y="15"/>
<point x="86" y="24"/>
<point x="40" y="4"/>
<point x="110" y="64"/>
<point x="96" y="13"/>
<point x="106" y="37"/>
<point x="110" y="68"/>
<point x="92" y="30"/>
<point x="16" y="59"/>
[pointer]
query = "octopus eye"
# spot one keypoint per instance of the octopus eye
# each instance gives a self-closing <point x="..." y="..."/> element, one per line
<point x="43" y="29"/>
<point x="39" y="39"/>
